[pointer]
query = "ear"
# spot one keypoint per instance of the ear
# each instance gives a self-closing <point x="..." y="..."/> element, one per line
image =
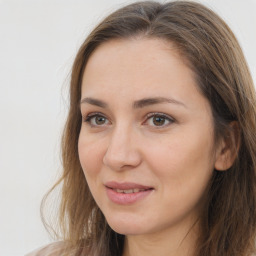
<point x="228" y="148"/>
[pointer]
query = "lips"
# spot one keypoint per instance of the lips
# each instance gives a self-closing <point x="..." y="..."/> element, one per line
<point x="127" y="193"/>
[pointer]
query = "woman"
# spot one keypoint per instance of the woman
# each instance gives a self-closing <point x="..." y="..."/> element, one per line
<point x="159" y="148"/>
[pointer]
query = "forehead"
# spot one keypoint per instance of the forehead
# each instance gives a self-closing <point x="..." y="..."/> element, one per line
<point x="138" y="68"/>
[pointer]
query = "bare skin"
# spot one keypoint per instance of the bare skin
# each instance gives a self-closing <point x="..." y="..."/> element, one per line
<point x="146" y="123"/>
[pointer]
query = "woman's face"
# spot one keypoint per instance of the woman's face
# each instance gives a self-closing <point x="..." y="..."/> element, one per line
<point x="146" y="140"/>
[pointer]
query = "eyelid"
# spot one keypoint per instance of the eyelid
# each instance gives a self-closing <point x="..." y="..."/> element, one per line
<point x="160" y="114"/>
<point x="92" y="114"/>
<point x="87" y="118"/>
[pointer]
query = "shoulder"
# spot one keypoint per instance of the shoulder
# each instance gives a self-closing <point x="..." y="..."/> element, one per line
<point x="54" y="249"/>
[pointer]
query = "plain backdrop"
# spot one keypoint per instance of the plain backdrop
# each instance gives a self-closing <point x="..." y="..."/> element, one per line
<point x="38" y="42"/>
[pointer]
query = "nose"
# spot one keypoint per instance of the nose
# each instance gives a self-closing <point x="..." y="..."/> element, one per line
<point x="122" y="151"/>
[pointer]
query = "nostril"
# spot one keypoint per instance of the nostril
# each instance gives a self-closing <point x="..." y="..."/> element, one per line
<point x="119" y="158"/>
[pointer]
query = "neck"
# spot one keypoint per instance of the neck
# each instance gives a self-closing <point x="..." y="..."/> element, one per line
<point x="176" y="243"/>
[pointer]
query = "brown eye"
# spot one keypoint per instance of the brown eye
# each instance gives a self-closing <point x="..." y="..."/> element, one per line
<point x="100" y="120"/>
<point x="158" y="120"/>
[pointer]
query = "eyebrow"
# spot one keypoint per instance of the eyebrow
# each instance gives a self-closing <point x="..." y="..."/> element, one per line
<point x="94" y="102"/>
<point x="137" y="104"/>
<point x="157" y="100"/>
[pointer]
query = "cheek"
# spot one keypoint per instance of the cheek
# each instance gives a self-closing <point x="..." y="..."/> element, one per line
<point x="91" y="154"/>
<point x="183" y="171"/>
<point x="184" y="162"/>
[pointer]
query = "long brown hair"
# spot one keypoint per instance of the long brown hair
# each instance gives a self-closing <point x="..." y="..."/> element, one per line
<point x="228" y="220"/>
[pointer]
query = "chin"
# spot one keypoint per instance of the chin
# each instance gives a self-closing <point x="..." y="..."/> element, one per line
<point x="126" y="226"/>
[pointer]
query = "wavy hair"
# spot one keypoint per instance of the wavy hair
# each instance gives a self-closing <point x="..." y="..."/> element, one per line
<point x="228" y="219"/>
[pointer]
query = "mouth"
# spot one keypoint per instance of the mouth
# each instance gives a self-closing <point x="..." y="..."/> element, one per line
<point x="127" y="193"/>
<point x="130" y="191"/>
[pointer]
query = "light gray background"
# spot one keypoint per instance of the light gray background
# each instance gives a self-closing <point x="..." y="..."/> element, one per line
<point x="38" y="42"/>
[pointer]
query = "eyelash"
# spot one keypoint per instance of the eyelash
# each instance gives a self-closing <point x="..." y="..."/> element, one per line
<point x="160" y="115"/>
<point x="89" y="117"/>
